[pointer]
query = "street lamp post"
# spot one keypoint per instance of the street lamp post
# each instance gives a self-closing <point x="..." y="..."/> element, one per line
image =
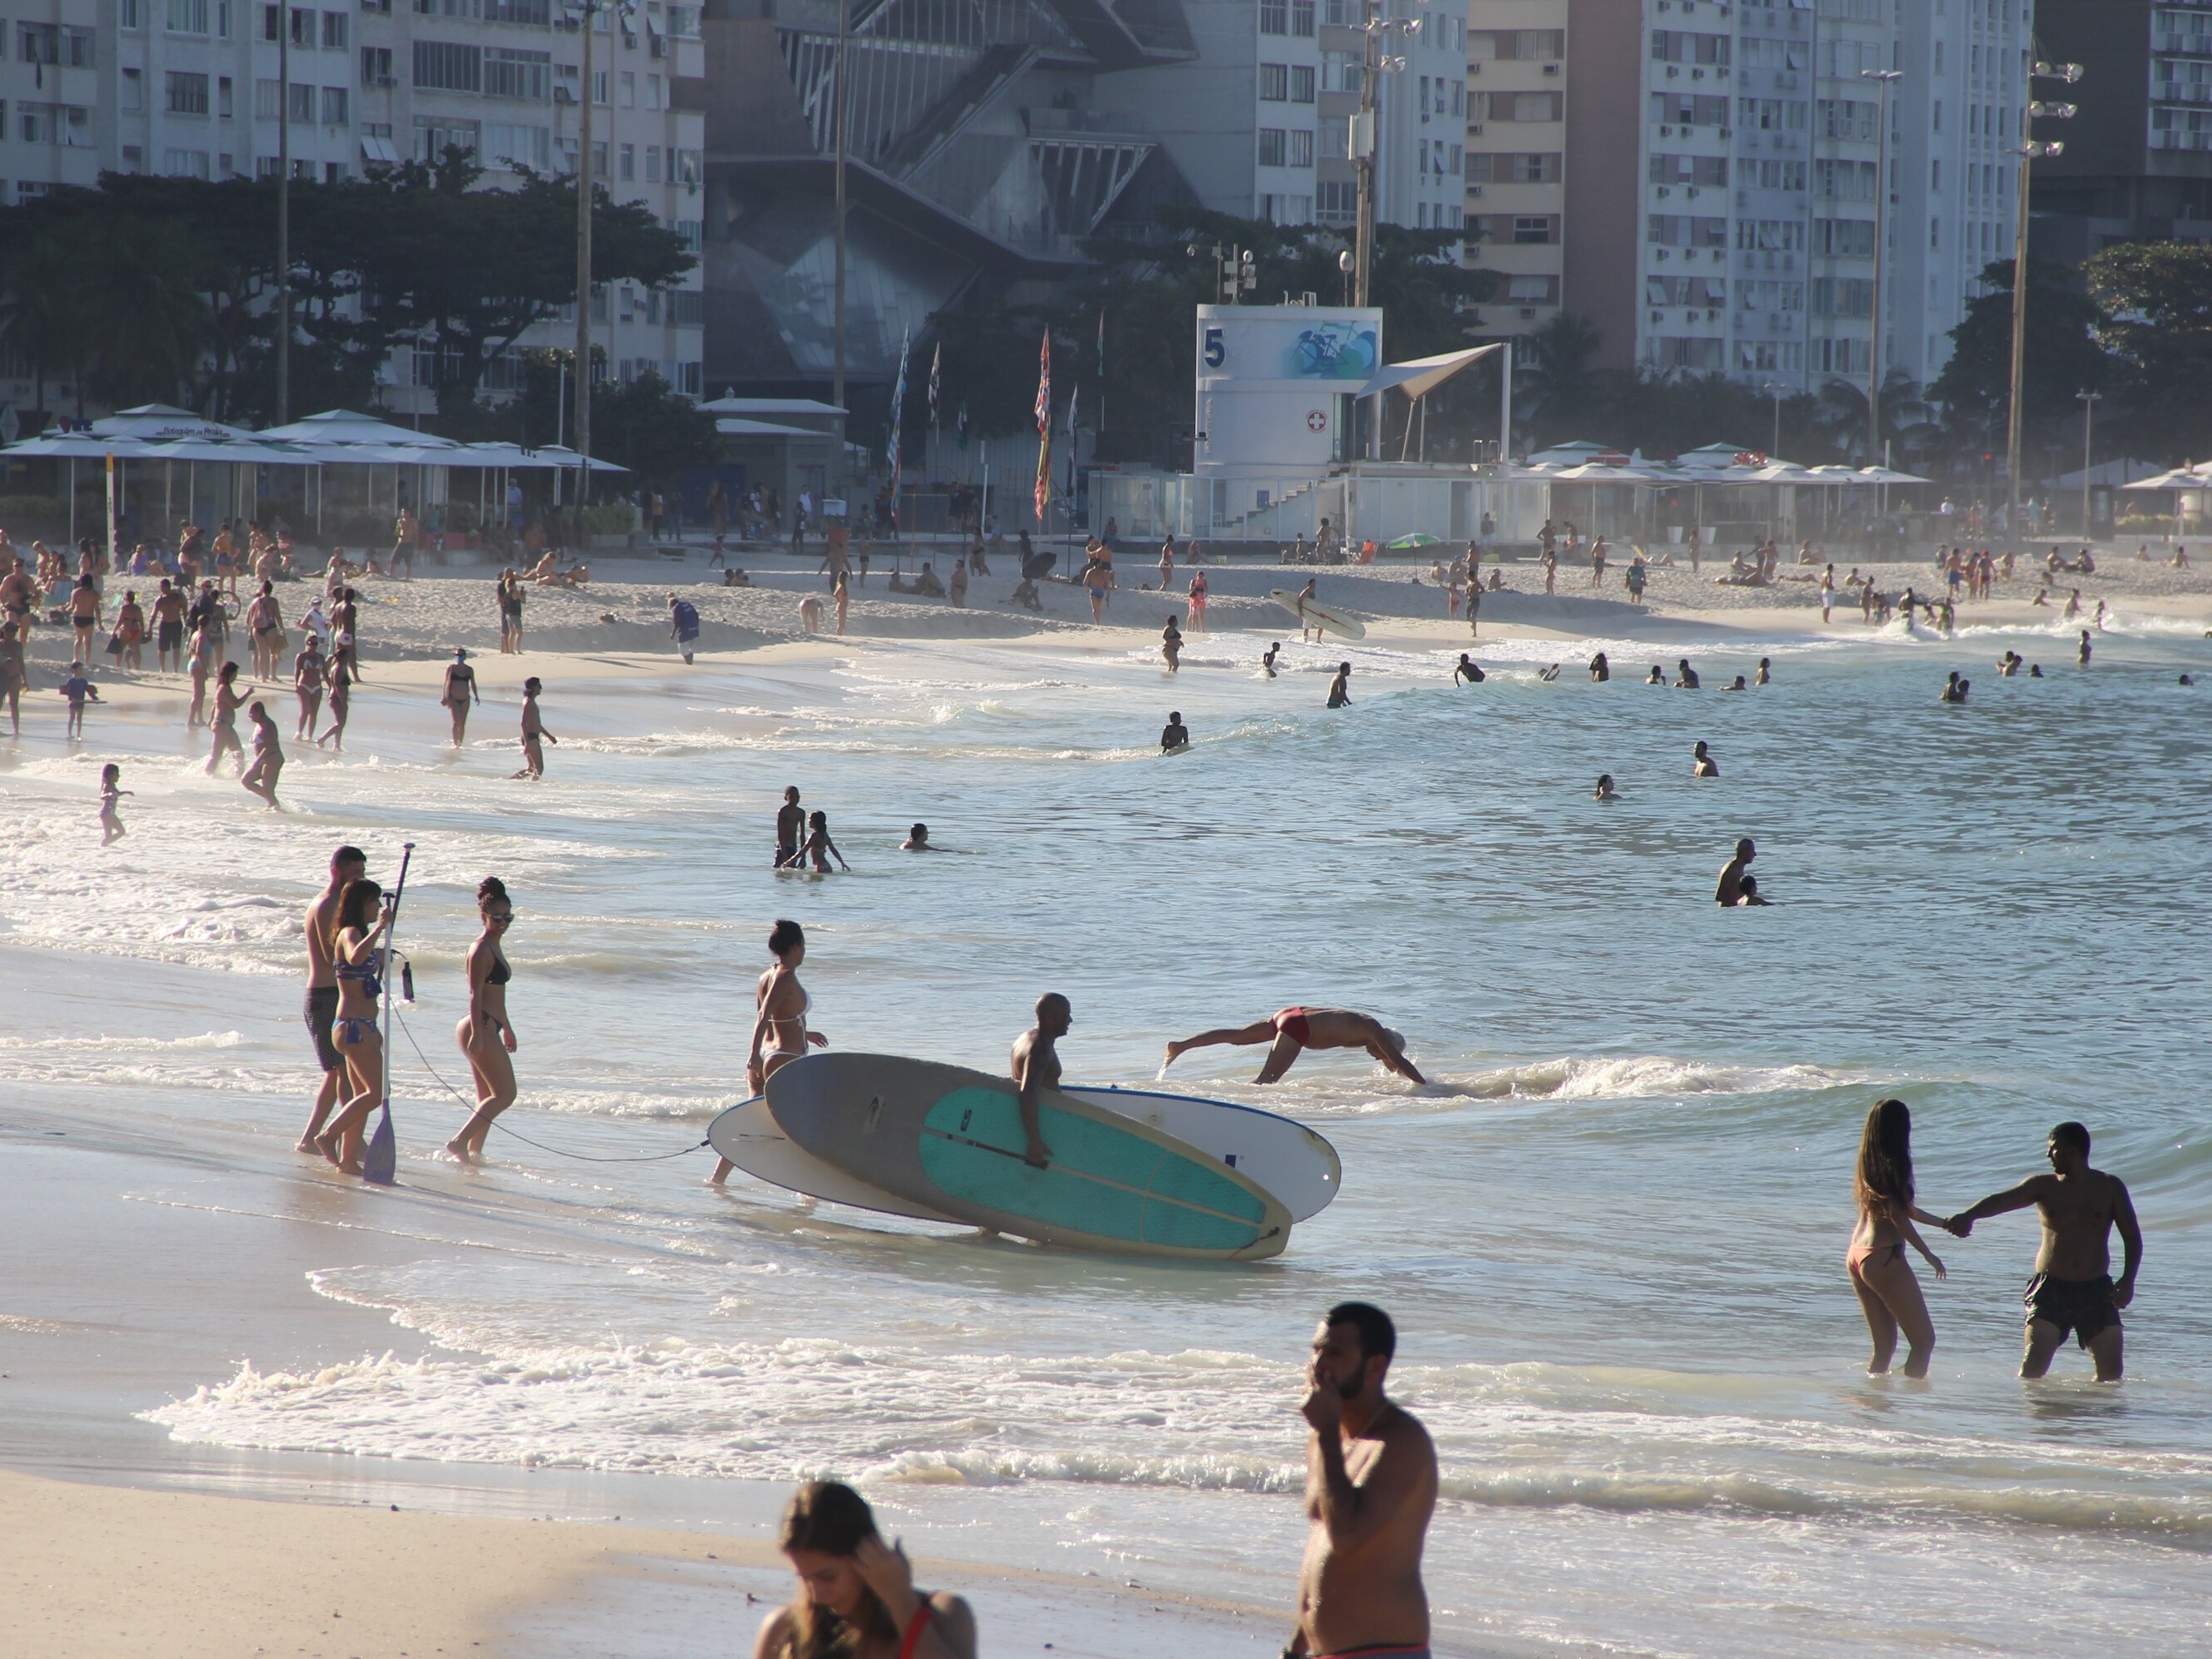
<point x="837" y="303"/>
<point x="2088" y="400"/>
<point x="1875" y="455"/>
<point x="283" y="213"/>
<point x="1375" y="65"/>
<point x="587" y="10"/>
<point x="2030" y="150"/>
<point x="1774" y="389"/>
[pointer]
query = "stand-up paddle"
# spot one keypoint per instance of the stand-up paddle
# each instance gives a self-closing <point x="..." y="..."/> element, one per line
<point x="381" y="1164"/>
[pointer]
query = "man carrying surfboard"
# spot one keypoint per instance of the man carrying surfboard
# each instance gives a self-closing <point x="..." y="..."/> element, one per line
<point x="1293" y="1029"/>
<point x="1036" y="1069"/>
<point x="1370" y="1488"/>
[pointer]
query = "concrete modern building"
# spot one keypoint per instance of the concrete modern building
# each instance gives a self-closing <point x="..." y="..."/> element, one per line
<point x="986" y="142"/>
<point x="1722" y="187"/>
<point x="2138" y="160"/>
<point x="1518" y="72"/>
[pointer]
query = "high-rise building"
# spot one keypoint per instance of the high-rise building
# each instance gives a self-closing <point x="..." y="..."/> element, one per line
<point x="2138" y="160"/>
<point x="56" y="105"/>
<point x="1517" y="117"/>
<point x="1724" y="189"/>
<point x="986" y="142"/>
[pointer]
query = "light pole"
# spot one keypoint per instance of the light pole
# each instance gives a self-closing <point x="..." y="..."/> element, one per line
<point x="1774" y="389"/>
<point x="2030" y="151"/>
<point x="284" y="213"/>
<point x="587" y="10"/>
<point x="1875" y="455"/>
<point x="837" y="347"/>
<point x="2088" y="400"/>
<point x="1374" y="65"/>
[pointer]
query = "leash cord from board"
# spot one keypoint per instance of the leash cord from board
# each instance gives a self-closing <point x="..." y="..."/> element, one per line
<point x="582" y="1157"/>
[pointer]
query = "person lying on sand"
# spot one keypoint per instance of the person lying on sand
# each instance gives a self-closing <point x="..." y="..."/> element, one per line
<point x="1293" y="1029"/>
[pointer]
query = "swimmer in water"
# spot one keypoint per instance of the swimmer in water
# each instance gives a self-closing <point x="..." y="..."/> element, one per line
<point x="1749" y="890"/>
<point x="1340" y="688"/>
<point x="1738" y="684"/>
<point x="1687" y="680"/>
<point x="2035" y="671"/>
<point x="1171" y="646"/>
<point x="1294" y="1030"/>
<point x="1729" y="890"/>
<point x="1702" y="764"/>
<point x="1468" y="671"/>
<point x="1267" y="659"/>
<point x="2084" y="652"/>
<point x="1549" y="673"/>
<point x="1657" y="677"/>
<point x="1601" y="671"/>
<point x="1604" y="791"/>
<point x="533" y="730"/>
<point x="260" y="778"/>
<point x="820" y="846"/>
<point x="1175" y="734"/>
<point x="1950" y="691"/>
<point x="1765" y="671"/>
<point x="917" y="840"/>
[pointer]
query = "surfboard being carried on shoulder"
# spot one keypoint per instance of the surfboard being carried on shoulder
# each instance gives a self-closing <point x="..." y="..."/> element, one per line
<point x="951" y="1140"/>
<point x="1311" y="613"/>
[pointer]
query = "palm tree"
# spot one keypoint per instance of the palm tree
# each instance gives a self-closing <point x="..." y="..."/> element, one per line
<point x="146" y="311"/>
<point x="1555" y="371"/>
<point x="41" y="314"/>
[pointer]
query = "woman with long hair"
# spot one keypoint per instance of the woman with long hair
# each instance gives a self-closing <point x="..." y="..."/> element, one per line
<point x="779" y="1032"/>
<point x="485" y="1036"/>
<point x="356" y="954"/>
<point x="857" y="1597"/>
<point x="1888" y="1292"/>
<point x="229" y="700"/>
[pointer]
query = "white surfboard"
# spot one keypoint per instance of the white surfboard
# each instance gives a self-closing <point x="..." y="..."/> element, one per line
<point x="1278" y="1153"/>
<point x="749" y="1136"/>
<point x="1311" y="613"/>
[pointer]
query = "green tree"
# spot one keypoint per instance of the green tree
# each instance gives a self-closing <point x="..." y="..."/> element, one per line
<point x="2064" y="355"/>
<point x="41" y="312"/>
<point x="654" y="432"/>
<point x="2156" y="298"/>
<point x="143" y="308"/>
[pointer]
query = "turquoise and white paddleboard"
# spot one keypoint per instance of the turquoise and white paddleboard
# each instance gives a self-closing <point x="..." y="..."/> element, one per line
<point x="749" y="1137"/>
<point x="951" y="1140"/>
<point x="1281" y="1156"/>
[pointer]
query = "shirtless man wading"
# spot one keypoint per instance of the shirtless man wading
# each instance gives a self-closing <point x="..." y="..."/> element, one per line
<point x="1036" y="1069"/>
<point x="2073" y="1288"/>
<point x="1370" y="1487"/>
<point x="347" y="864"/>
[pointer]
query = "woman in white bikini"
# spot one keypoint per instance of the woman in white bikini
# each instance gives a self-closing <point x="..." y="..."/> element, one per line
<point x="780" y="1033"/>
<point x="484" y="1034"/>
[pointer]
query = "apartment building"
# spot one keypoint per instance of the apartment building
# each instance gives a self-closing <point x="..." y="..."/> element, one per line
<point x="53" y="99"/>
<point x="198" y="91"/>
<point x="2138" y="160"/>
<point x="1516" y="79"/>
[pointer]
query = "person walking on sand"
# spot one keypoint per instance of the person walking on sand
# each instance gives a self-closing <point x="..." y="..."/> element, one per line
<point x="780" y="1034"/>
<point x="1199" y="592"/>
<point x="1294" y="1030"/>
<point x="1098" y="583"/>
<point x="1370" y="1489"/>
<point x="260" y="778"/>
<point x="1340" y="688"/>
<point x="1827" y="594"/>
<point x="359" y="960"/>
<point x="819" y="847"/>
<point x="1035" y="1065"/>
<point x="460" y="688"/>
<point x="486" y="1036"/>
<point x="1171" y="646"/>
<point x="112" y="792"/>
<point x="683" y="626"/>
<point x="534" y="734"/>
<point x="79" y="690"/>
<point x="348" y="863"/>
<point x="2073" y="1289"/>
<point x="1888" y="1293"/>
<point x="1730" y="889"/>
<point x="857" y="1598"/>
<point x="229" y="700"/>
<point x="1473" y="610"/>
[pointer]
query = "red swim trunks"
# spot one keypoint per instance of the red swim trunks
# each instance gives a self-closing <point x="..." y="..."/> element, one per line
<point x="1291" y="1023"/>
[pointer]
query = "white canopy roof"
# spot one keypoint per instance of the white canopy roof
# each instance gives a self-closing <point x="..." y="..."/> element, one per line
<point x="1417" y="377"/>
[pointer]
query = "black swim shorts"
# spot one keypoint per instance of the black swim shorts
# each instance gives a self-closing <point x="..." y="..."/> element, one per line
<point x="2083" y="1306"/>
<point x="171" y="636"/>
<point x="321" y="1013"/>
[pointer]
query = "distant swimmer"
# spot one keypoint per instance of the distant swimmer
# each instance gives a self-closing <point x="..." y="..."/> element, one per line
<point x="1765" y="671"/>
<point x="1468" y="670"/>
<point x="1702" y="763"/>
<point x="486" y="1036"/>
<point x="1171" y="646"/>
<point x="1686" y="678"/>
<point x="1601" y="671"/>
<point x="1175" y="734"/>
<point x="917" y="840"/>
<point x="1888" y="1293"/>
<point x="856" y="1594"/>
<point x="1604" y="791"/>
<point x="2035" y="671"/>
<point x="1267" y="659"/>
<point x="2186" y="680"/>
<point x="460" y="690"/>
<point x="534" y="734"/>
<point x="1730" y="888"/>
<point x="1737" y="684"/>
<point x="2083" y="654"/>
<point x="1950" y="693"/>
<point x="1297" y="1029"/>
<point x="1036" y="1069"/>
<point x="2009" y="664"/>
<point x="819" y="847"/>
<point x="1750" y="891"/>
<point x="2073" y="1289"/>
<point x="1340" y="688"/>
<point x="1370" y="1489"/>
<point x="1657" y="677"/>
<point x="1548" y="672"/>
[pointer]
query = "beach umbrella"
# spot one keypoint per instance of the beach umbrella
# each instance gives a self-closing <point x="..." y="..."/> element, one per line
<point x="1417" y="538"/>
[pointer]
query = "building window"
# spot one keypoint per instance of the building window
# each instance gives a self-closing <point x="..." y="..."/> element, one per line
<point x="683" y="166"/>
<point x="1528" y="290"/>
<point x="1301" y="148"/>
<point x="436" y="134"/>
<point x="686" y="307"/>
<point x="692" y="232"/>
<point x="517" y="146"/>
<point x="448" y="67"/>
<point x="184" y="163"/>
<point x="652" y="164"/>
<point x="376" y="66"/>
<point x="225" y="99"/>
<point x="1527" y="229"/>
<point x="1302" y="23"/>
<point x="1273" y="146"/>
<point x="1302" y="84"/>
<point x="626" y="166"/>
<point x="188" y="95"/>
<point x="628" y="90"/>
<point x="334" y="31"/>
<point x="334" y="107"/>
<point x="129" y="15"/>
<point x="1275" y="83"/>
<point x="189" y="17"/>
<point x="1336" y="201"/>
<point x="1274" y="17"/>
<point x="303" y="106"/>
<point x="134" y="91"/>
<point x="537" y="13"/>
<point x="511" y="74"/>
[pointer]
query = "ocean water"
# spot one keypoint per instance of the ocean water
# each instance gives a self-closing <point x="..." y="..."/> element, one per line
<point x="1611" y="1229"/>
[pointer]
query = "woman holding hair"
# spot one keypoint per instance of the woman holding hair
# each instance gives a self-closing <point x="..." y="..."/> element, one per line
<point x="1888" y="1292"/>
<point x="858" y="1599"/>
<point x="485" y="1036"/>
<point x="357" y="953"/>
<point x="780" y="1034"/>
<point x="229" y="700"/>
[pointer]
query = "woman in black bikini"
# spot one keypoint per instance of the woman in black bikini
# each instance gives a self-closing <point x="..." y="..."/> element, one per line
<point x="355" y="953"/>
<point x="485" y="1036"/>
<point x="857" y="1598"/>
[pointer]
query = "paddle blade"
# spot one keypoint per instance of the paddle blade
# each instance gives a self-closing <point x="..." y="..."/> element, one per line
<point x="382" y="1163"/>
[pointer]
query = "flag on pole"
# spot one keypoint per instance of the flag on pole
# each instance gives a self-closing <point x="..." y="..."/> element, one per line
<point x="898" y="403"/>
<point x="936" y="362"/>
<point x="1043" y="492"/>
<point x="1073" y="392"/>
